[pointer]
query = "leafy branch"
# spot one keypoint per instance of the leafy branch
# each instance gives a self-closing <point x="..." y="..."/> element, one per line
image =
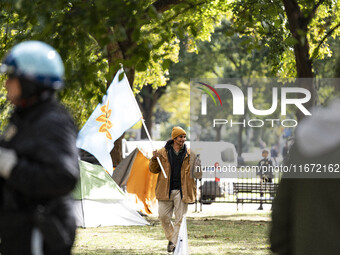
<point x="328" y="34"/>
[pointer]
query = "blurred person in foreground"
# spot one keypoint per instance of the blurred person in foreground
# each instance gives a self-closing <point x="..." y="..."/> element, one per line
<point x="38" y="156"/>
<point x="306" y="210"/>
<point x="175" y="192"/>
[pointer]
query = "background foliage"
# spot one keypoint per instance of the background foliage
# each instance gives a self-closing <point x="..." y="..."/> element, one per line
<point x="164" y="43"/>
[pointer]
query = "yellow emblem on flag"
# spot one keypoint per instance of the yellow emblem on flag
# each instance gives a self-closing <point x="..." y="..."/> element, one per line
<point x="105" y="118"/>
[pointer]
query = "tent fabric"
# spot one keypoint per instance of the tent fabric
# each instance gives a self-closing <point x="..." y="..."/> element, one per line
<point x="140" y="181"/>
<point x="122" y="172"/>
<point x="100" y="202"/>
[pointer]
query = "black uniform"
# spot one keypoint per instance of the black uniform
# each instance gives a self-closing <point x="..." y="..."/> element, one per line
<point x="37" y="193"/>
<point x="305" y="216"/>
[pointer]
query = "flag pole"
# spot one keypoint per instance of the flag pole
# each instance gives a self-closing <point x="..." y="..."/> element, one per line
<point x="153" y="148"/>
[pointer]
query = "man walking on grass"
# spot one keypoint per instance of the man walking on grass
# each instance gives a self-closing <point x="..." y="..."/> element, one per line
<point x="175" y="192"/>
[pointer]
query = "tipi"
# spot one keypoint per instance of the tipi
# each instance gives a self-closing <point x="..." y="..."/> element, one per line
<point x="100" y="202"/>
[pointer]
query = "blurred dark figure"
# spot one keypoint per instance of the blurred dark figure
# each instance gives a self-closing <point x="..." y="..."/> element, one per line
<point x="38" y="157"/>
<point x="306" y="210"/>
<point x="274" y="154"/>
<point x="285" y="151"/>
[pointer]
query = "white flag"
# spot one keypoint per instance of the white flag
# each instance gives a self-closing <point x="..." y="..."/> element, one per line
<point x="118" y="112"/>
<point x="182" y="241"/>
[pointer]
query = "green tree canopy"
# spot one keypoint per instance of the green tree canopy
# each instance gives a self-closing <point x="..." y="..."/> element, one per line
<point x="296" y="32"/>
<point x="95" y="37"/>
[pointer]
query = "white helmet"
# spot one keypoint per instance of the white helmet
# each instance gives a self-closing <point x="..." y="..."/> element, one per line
<point x="37" y="62"/>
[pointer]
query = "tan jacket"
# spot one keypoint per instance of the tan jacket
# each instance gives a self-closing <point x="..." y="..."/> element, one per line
<point x="187" y="182"/>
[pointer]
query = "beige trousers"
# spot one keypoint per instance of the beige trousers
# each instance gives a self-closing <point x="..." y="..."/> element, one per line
<point x="165" y="210"/>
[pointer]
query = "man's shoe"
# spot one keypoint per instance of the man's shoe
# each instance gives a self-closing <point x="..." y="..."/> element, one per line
<point x="171" y="247"/>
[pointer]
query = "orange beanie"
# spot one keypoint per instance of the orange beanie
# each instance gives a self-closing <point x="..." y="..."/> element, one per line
<point x="177" y="131"/>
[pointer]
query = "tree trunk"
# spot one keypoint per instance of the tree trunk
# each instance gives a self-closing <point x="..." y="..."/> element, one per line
<point x="298" y="26"/>
<point x="147" y="115"/>
<point x="147" y="104"/>
<point x="149" y="98"/>
<point x="218" y="133"/>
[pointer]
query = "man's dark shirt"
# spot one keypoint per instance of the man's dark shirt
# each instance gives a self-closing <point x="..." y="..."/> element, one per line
<point x="176" y="160"/>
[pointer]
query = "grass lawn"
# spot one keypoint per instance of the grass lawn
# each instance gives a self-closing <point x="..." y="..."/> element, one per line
<point x="227" y="234"/>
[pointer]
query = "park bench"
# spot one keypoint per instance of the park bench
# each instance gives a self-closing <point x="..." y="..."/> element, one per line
<point x="262" y="193"/>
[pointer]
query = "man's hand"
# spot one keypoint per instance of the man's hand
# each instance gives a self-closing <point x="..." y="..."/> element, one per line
<point x="8" y="159"/>
<point x="155" y="154"/>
